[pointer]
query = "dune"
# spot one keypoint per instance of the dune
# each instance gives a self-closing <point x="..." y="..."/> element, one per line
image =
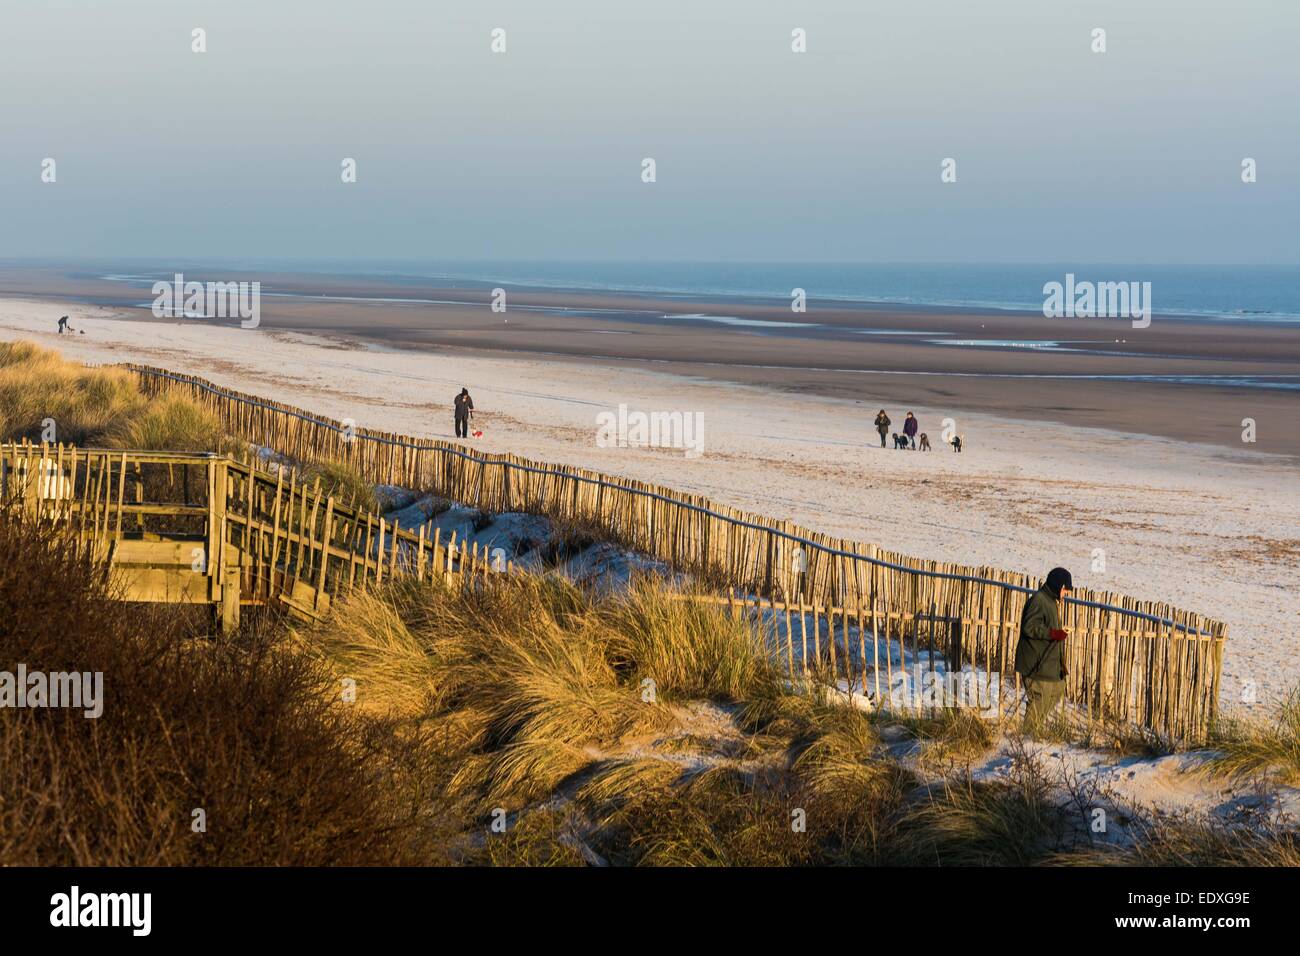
<point x="1209" y="528"/>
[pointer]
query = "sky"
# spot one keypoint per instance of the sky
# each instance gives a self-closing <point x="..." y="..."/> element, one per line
<point x="762" y="154"/>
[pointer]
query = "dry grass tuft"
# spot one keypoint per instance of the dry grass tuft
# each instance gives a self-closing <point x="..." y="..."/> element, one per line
<point x="171" y="422"/>
<point x="1123" y="738"/>
<point x="1016" y="822"/>
<point x="716" y="818"/>
<point x="952" y="737"/>
<point x="1247" y="747"/>
<point x="843" y="760"/>
<point x="373" y="645"/>
<point x="342" y="481"/>
<point x="542" y="837"/>
<point x="689" y="648"/>
<point x="99" y="407"/>
<point x="37" y="384"/>
<point x="517" y="671"/>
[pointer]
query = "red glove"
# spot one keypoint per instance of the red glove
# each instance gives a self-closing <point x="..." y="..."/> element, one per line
<point x="1056" y="634"/>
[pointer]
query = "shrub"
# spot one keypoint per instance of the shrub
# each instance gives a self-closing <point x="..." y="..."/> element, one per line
<point x="249" y="730"/>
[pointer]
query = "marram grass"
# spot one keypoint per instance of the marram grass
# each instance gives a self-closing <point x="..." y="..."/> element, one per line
<point x="534" y="689"/>
<point x="45" y="397"/>
<point x="1246" y="747"/>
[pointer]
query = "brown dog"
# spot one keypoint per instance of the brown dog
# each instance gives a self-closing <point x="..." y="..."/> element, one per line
<point x="925" y="442"/>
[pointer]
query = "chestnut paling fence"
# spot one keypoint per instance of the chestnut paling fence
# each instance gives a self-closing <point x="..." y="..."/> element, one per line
<point x="184" y="528"/>
<point x="1140" y="661"/>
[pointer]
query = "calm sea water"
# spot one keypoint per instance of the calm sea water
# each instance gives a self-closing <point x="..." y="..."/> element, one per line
<point x="1247" y="293"/>
<point x="1254" y="293"/>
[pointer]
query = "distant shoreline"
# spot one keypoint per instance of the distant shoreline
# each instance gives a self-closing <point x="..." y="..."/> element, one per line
<point x="482" y="278"/>
<point x="1194" y="380"/>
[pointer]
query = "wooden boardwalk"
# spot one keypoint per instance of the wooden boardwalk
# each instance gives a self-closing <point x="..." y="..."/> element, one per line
<point x="207" y="529"/>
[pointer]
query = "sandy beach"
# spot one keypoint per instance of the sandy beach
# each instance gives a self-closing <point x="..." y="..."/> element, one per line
<point x="1189" y="380"/>
<point x="1210" y="527"/>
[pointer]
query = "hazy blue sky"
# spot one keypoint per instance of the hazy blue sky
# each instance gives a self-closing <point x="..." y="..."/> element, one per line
<point x="1063" y="154"/>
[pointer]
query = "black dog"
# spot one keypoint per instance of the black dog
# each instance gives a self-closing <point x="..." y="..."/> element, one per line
<point x="956" y="443"/>
<point x="900" y="441"/>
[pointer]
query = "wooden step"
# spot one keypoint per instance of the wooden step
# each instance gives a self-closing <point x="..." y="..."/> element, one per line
<point x="159" y="554"/>
<point x="162" y="585"/>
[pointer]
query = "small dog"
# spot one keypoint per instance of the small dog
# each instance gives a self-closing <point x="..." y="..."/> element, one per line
<point x="956" y="443"/>
<point x="925" y="442"/>
<point x="900" y="441"/>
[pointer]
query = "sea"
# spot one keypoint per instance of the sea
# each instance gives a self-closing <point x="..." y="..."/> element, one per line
<point x="1247" y="293"/>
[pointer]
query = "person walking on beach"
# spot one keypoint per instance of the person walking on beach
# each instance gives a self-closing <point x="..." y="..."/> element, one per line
<point x="63" y="323"/>
<point x="909" y="429"/>
<point x="882" y="426"/>
<point x="464" y="411"/>
<point x="1040" y="653"/>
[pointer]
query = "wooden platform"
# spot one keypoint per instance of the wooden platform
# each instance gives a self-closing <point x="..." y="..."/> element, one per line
<point x="207" y="529"/>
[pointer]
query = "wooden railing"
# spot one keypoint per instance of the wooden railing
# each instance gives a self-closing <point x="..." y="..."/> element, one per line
<point x="208" y="529"/>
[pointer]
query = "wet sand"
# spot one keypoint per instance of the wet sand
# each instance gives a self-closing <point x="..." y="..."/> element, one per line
<point x="1099" y="373"/>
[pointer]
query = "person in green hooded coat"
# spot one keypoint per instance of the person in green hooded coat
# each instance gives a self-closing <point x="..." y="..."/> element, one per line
<point x="1040" y="652"/>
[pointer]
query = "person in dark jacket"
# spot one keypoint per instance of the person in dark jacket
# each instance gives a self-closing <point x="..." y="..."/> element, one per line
<point x="882" y="426"/>
<point x="909" y="429"/>
<point x="464" y="411"/>
<point x="1040" y="653"/>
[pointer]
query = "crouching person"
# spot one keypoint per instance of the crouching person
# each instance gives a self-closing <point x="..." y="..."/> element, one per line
<point x="1040" y="654"/>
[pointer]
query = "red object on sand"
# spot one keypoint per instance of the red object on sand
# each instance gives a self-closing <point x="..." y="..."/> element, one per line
<point x="478" y="434"/>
